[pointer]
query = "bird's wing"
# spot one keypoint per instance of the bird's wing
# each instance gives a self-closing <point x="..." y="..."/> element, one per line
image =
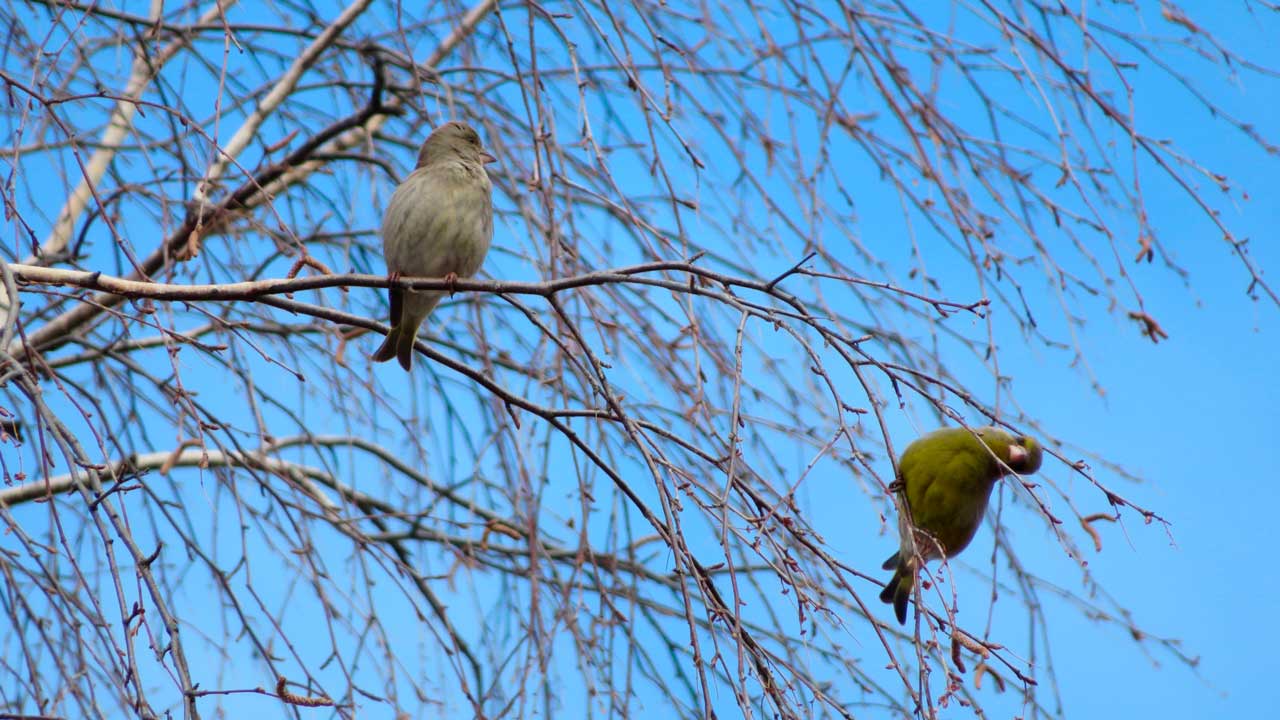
<point x="397" y="305"/>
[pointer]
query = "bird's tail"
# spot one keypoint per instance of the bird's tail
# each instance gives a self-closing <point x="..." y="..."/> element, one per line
<point x="898" y="590"/>
<point x="397" y="344"/>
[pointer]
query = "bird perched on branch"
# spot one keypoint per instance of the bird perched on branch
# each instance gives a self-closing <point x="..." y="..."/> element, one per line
<point x="438" y="224"/>
<point x="945" y="479"/>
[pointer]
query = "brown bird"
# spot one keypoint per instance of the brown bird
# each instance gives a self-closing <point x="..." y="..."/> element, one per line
<point x="438" y="224"/>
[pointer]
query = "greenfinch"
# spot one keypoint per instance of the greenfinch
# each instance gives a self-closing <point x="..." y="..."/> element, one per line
<point x="439" y="223"/>
<point x="945" y="478"/>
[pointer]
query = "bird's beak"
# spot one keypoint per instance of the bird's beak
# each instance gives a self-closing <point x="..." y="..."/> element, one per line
<point x="486" y="158"/>
<point x="1017" y="455"/>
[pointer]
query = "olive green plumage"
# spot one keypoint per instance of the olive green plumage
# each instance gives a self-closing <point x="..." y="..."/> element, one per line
<point x="946" y="478"/>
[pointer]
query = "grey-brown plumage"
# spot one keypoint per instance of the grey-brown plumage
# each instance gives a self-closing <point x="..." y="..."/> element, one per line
<point x="439" y="223"/>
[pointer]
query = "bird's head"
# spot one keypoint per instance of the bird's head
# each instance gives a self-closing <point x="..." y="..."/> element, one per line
<point x="1021" y="453"/>
<point x="454" y="140"/>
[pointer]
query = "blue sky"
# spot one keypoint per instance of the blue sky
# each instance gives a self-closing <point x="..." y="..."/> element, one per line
<point x="1196" y="415"/>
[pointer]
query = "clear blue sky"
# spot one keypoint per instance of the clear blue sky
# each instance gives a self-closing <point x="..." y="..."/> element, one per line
<point x="1198" y="416"/>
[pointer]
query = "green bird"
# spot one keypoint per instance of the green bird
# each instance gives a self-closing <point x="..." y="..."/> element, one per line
<point x="946" y="478"/>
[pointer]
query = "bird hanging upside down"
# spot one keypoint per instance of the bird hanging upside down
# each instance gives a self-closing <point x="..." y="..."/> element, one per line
<point x="945" y="478"/>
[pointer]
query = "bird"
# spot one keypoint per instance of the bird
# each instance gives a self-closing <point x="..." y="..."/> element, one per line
<point x="439" y="223"/>
<point x="945" y="478"/>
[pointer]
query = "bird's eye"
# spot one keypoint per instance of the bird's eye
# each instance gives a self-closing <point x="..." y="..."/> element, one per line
<point x="1022" y="440"/>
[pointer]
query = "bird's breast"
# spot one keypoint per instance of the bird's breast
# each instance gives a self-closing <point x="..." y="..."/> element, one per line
<point x="439" y="221"/>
